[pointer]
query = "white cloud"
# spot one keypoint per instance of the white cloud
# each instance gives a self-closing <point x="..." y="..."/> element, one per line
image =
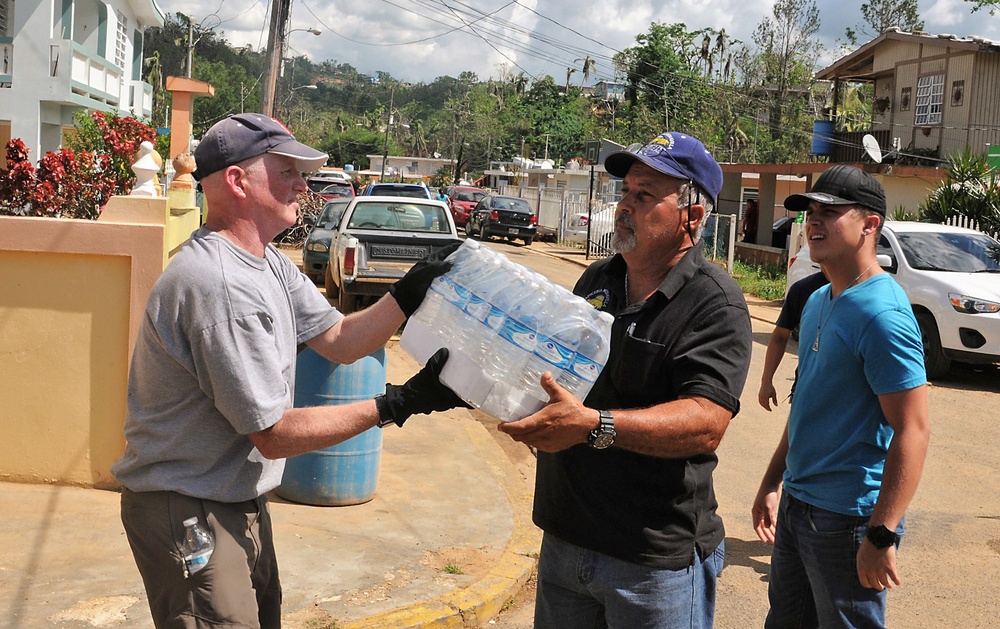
<point x="414" y="40"/>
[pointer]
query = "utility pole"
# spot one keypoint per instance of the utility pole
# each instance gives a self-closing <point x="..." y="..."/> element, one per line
<point x="388" y="123"/>
<point x="275" y="51"/>
<point x="190" y="44"/>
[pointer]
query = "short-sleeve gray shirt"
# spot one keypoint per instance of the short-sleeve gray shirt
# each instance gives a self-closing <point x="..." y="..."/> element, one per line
<point x="214" y="362"/>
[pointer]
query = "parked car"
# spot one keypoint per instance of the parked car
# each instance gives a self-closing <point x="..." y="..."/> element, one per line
<point x="412" y="190"/>
<point x="601" y="222"/>
<point x="316" y="249"/>
<point x="949" y="275"/>
<point x="507" y="217"/>
<point x="331" y="185"/>
<point x="377" y="240"/>
<point x="781" y="230"/>
<point x="462" y="200"/>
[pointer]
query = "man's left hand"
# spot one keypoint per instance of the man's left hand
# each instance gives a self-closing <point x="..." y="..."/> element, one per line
<point x="877" y="567"/>
<point x="562" y="423"/>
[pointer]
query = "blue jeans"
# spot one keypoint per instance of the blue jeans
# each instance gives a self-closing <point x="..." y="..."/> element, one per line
<point x="584" y="589"/>
<point x="814" y="576"/>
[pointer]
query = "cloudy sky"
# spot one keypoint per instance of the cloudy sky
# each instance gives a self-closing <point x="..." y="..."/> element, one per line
<point x="419" y="40"/>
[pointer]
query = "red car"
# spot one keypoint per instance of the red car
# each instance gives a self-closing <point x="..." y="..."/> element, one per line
<point x="462" y="200"/>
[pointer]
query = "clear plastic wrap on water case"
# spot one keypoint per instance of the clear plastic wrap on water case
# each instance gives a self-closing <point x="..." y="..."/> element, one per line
<point x="505" y="326"/>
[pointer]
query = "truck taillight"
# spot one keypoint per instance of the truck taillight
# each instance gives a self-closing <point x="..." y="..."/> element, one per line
<point x="350" y="258"/>
<point x="534" y="219"/>
<point x="494" y="216"/>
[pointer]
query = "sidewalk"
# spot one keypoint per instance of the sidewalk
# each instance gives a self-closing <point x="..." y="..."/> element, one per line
<point x="446" y="541"/>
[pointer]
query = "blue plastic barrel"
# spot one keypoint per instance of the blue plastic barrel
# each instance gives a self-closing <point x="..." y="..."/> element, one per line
<point x="823" y="132"/>
<point x="347" y="473"/>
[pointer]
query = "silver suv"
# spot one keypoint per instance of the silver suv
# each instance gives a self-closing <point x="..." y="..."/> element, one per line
<point x="949" y="275"/>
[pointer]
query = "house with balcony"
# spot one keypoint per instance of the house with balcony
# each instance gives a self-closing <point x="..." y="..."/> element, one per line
<point x="58" y="57"/>
<point x="933" y="94"/>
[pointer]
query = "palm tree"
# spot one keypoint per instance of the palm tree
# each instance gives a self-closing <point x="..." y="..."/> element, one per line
<point x="722" y="48"/>
<point x="569" y="73"/>
<point x="588" y="67"/>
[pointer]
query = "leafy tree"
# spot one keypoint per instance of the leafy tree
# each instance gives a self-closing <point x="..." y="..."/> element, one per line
<point x="970" y="189"/>
<point x="787" y="52"/>
<point x="992" y="5"/>
<point x="881" y="14"/>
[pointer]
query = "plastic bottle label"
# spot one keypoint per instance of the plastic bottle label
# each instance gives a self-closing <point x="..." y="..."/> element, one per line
<point x="554" y="353"/>
<point x="477" y="307"/>
<point x="495" y="319"/>
<point x="453" y="292"/>
<point x="518" y="334"/>
<point x="586" y="368"/>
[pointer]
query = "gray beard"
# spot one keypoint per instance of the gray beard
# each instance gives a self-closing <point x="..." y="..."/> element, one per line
<point x="623" y="243"/>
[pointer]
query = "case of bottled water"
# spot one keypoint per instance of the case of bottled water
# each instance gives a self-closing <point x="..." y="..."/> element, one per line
<point x="505" y="326"/>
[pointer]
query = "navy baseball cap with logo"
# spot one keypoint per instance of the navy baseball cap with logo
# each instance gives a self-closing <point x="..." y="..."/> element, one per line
<point x="673" y="154"/>
<point x="240" y="137"/>
<point x="842" y="185"/>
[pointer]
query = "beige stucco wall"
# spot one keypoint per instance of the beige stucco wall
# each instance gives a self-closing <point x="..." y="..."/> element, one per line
<point x="72" y="295"/>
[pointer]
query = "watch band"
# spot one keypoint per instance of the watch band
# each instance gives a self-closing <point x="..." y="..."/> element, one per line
<point x="384" y="418"/>
<point x="881" y="536"/>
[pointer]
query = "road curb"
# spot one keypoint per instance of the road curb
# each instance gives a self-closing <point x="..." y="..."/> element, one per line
<point x="478" y="603"/>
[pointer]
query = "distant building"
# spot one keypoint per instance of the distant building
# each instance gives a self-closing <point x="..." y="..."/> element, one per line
<point x="934" y="94"/>
<point x="415" y="168"/>
<point x="58" y="57"/>
<point x="609" y="90"/>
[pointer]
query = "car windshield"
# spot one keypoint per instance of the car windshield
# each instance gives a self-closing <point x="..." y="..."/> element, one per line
<point x="417" y="192"/>
<point x="517" y="205"/>
<point x="332" y="212"/>
<point x="941" y="251"/>
<point x="318" y="185"/>
<point x="414" y="217"/>
<point x="470" y="195"/>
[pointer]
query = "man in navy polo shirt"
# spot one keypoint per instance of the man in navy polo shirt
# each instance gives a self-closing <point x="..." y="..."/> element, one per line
<point x="624" y="482"/>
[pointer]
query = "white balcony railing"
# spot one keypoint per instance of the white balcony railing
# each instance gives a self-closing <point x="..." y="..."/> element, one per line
<point x="85" y="73"/>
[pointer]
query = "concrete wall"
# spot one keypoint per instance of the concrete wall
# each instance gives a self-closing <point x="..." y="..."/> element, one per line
<point x="72" y="296"/>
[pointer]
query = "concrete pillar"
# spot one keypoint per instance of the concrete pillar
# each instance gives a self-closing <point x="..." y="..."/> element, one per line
<point x="766" y="202"/>
<point x="184" y="90"/>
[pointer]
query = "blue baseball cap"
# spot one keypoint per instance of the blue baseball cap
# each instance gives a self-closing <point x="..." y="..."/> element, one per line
<point x="673" y="154"/>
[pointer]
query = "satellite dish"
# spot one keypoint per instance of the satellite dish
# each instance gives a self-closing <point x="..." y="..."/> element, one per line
<point x="872" y="148"/>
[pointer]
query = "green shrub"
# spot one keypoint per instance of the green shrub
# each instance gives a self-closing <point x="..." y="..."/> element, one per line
<point x="766" y="281"/>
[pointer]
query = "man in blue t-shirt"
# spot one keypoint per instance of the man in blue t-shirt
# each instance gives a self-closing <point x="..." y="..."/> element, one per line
<point x="851" y="456"/>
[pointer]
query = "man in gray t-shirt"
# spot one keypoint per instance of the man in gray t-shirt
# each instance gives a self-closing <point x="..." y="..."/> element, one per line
<point x="210" y="416"/>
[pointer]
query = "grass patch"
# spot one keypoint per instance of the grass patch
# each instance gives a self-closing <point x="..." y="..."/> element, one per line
<point x="453" y="569"/>
<point x="766" y="281"/>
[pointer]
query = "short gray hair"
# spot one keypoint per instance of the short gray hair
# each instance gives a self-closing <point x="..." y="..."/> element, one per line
<point x="694" y="195"/>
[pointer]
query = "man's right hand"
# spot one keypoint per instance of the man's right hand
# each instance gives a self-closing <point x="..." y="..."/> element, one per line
<point x="764" y="513"/>
<point x="766" y="395"/>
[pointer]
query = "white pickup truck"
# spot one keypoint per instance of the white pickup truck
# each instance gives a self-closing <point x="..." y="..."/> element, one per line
<point x="376" y="242"/>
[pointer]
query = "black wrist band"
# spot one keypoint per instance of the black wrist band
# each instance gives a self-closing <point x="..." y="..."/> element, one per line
<point x="384" y="414"/>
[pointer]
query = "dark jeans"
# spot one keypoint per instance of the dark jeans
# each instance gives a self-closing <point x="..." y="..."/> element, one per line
<point x="814" y="576"/>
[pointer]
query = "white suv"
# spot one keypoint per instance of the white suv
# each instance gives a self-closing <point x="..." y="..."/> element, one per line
<point x="950" y="277"/>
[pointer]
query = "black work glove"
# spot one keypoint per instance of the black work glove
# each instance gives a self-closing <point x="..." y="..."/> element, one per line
<point x="410" y="289"/>
<point x="423" y="393"/>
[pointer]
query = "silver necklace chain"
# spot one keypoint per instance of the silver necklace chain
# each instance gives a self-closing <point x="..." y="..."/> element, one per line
<point x="822" y="324"/>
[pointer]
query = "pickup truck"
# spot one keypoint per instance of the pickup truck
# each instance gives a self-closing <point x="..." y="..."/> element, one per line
<point x="376" y="242"/>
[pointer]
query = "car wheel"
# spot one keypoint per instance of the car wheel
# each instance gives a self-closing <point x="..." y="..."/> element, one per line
<point x="347" y="303"/>
<point x="936" y="363"/>
<point x="527" y="241"/>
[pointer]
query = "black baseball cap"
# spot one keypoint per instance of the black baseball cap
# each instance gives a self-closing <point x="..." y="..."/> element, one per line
<point x="842" y="185"/>
<point x="240" y="137"/>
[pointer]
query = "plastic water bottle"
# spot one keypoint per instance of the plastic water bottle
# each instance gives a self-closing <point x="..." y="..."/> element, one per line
<point x="485" y="283"/>
<point x="516" y="335"/>
<point x="197" y="547"/>
<point x="558" y="340"/>
<point x="592" y="353"/>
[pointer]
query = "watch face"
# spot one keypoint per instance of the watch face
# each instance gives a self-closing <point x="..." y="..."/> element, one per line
<point x="602" y="440"/>
<point x="881" y="537"/>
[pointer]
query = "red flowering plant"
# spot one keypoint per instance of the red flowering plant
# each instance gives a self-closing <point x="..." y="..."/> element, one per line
<point x="74" y="182"/>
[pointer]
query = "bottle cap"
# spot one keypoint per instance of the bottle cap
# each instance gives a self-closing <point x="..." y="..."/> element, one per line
<point x="190" y="521"/>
